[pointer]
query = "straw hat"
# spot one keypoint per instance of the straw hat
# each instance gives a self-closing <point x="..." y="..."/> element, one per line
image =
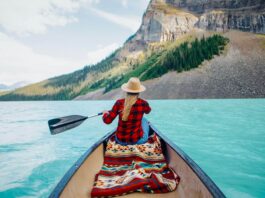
<point x="133" y="86"/>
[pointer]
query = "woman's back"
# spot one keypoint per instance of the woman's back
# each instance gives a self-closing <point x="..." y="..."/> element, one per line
<point x="129" y="131"/>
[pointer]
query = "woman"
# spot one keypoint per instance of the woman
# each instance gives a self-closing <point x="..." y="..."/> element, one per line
<point x="133" y="162"/>
<point x="132" y="128"/>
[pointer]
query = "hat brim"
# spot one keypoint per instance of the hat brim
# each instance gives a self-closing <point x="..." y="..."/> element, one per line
<point x="126" y="89"/>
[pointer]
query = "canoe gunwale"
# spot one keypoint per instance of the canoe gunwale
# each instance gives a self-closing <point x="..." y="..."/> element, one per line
<point x="70" y="173"/>
<point x="205" y="179"/>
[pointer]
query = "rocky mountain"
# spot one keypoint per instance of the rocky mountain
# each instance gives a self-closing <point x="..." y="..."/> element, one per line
<point x="167" y="20"/>
<point x="165" y="25"/>
<point x="161" y="22"/>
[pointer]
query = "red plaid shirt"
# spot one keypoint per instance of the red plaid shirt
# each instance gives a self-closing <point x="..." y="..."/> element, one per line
<point x="129" y="131"/>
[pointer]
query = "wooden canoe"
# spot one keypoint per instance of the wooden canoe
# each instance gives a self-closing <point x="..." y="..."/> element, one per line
<point x="78" y="181"/>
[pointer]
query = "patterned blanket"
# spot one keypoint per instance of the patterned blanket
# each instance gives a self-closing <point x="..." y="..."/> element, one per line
<point x="134" y="168"/>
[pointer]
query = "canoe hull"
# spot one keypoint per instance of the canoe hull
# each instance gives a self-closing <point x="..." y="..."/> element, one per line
<point x="79" y="180"/>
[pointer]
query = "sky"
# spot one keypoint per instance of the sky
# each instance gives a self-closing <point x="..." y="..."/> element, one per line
<point x="40" y="39"/>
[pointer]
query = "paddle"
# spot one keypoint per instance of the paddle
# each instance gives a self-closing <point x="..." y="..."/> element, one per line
<point x="59" y="125"/>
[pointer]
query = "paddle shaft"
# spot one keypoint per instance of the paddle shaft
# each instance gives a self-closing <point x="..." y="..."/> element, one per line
<point x="92" y="116"/>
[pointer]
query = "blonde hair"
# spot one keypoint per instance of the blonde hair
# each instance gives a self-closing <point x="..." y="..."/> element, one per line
<point x="130" y="100"/>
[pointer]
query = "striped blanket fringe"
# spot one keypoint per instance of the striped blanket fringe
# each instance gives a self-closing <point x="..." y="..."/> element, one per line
<point x="134" y="168"/>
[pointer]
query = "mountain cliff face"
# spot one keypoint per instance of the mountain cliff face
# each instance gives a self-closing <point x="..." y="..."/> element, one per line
<point x="201" y="6"/>
<point x="161" y="22"/>
<point x="167" y="20"/>
<point x="244" y="15"/>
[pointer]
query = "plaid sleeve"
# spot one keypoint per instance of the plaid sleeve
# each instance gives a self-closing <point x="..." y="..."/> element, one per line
<point x="147" y="108"/>
<point x="108" y="118"/>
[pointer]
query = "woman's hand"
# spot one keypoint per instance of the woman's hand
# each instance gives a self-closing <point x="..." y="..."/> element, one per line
<point x="105" y="112"/>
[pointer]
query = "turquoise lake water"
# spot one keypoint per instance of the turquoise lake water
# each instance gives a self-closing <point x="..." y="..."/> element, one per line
<point x="225" y="137"/>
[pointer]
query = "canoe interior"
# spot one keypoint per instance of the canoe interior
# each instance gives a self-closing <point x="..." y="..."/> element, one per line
<point x="79" y="180"/>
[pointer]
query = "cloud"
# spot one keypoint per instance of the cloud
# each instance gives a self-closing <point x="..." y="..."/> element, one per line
<point x="93" y="1"/>
<point x="25" y="17"/>
<point x="124" y="3"/>
<point x="129" y="22"/>
<point x="97" y="55"/>
<point x="19" y="62"/>
<point x="135" y="3"/>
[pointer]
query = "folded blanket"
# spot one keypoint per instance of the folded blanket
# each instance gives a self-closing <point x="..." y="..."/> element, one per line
<point x="134" y="168"/>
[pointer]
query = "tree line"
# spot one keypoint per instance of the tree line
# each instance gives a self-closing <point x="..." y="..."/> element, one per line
<point x="184" y="57"/>
<point x="187" y="56"/>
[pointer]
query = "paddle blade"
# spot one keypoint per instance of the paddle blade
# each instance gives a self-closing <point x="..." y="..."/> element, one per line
<point x="62" y="124"/>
